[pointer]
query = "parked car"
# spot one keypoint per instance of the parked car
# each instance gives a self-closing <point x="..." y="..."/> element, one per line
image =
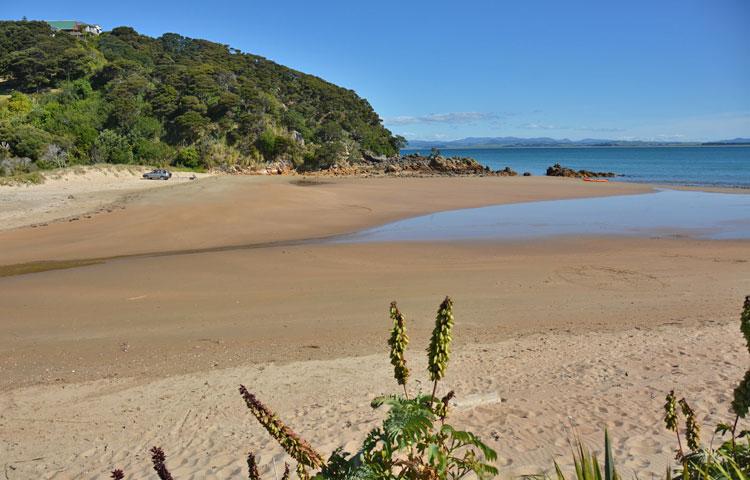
<point x="158" y="174"/>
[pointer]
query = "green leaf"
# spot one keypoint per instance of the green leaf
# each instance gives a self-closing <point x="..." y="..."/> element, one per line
<point x="722" y="428"/>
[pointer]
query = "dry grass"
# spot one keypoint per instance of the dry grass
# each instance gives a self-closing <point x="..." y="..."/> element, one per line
<point x="33" y="178"/>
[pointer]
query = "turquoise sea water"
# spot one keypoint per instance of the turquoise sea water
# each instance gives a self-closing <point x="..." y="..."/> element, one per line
<point x="705" y="166"/>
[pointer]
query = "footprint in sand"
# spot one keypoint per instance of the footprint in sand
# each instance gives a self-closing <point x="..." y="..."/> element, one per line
<point x="609" y="278"/>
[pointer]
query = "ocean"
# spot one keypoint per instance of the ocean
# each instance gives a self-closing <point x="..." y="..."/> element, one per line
<point x="699" y="166"/>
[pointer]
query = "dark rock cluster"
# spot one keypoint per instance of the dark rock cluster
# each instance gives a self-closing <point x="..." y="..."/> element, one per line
<point x="558" y="170"/>
<point x="415" y="164"/>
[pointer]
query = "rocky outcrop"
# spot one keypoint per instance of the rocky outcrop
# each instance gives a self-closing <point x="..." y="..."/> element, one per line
<point x="371" y="157"/>
<point x="279" y="167"/>
<point x="558" y="170"/>
<point x="403" y="165"/>
<point x="419" y="165"/>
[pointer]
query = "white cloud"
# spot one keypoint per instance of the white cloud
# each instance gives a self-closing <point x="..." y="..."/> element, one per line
<point x="541" y="126"/>
<point x="449" y="118"/>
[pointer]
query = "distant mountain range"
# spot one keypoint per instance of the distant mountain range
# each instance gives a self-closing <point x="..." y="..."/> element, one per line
<point x="500" y="142"/>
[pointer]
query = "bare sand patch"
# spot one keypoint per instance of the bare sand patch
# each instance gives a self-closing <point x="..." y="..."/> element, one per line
<point x="76" y="191"/>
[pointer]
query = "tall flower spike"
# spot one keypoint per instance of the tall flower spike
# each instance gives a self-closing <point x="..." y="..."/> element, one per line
<point x="741" y="401"/>
<point x="252" y="467"/>
<point x="670" y="412"/>
<point x="398" y="343"/>
<point x="297" y="448"/>
<point x="692" y="428"/>
<point x="440" y="344"/>
<point x="745" y="321"/>
<point x="158" y="459"/>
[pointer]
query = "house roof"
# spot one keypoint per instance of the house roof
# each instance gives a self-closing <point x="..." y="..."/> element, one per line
<point x="69" y="24"/>
<point x="63" y="24"/>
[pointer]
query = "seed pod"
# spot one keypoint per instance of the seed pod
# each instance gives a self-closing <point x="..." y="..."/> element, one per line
<point x="692" y="428"/>
<point x="441" y="408"/>
<point x="670" y="412"/>
<point x="398" y="342"/>
<point x="440" y="343"/>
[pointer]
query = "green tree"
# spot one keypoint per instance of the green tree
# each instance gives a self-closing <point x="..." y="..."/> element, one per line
<point x="111" y="147"/>
<point x="190" y="126"/>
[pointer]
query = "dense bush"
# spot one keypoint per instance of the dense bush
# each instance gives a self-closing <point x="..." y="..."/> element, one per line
<point x="124" y="97"/>
<point x="188" y="157"/>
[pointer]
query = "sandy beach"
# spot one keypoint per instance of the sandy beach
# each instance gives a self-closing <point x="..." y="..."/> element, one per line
<point x="173" y="296"/>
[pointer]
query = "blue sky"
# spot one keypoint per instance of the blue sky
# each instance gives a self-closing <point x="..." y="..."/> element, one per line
<point x="677" y="70"/>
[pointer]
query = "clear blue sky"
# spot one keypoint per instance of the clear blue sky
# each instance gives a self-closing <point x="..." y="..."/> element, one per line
<point x="446" y="69"/>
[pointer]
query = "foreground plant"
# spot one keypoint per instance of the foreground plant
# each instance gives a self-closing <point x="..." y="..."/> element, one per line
<point x="414" y="442"/>
<point x="587" y="466"/>
<point x="731" y="460"/>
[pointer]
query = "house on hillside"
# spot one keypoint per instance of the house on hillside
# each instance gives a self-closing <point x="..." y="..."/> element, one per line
<point x="74" y="27"/>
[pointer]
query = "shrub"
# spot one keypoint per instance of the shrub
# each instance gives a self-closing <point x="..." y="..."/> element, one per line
<point x="24" y="140"/>
<point x="111" y="147"/>
<point x="16" y="166"/>
<point x="54" y="156"/>
<point x="188" y="157"/>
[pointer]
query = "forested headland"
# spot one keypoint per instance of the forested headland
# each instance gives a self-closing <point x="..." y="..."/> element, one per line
<point x="126" y="98"/>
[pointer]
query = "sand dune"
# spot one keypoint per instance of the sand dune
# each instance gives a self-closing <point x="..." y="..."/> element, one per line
<point x="79" y="192"/>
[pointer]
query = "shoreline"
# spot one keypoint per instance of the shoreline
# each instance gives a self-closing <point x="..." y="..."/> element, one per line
<point x="520" y="147"/>
<point x="223" y="211"/>
<point x="120" y="202"/>
<point x="117" y="198"/>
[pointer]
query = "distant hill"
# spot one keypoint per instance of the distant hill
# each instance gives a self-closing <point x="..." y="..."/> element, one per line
<point x="501" y="142"/>
<point x="734" y="141"/>
<point x="123" y="97"/>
